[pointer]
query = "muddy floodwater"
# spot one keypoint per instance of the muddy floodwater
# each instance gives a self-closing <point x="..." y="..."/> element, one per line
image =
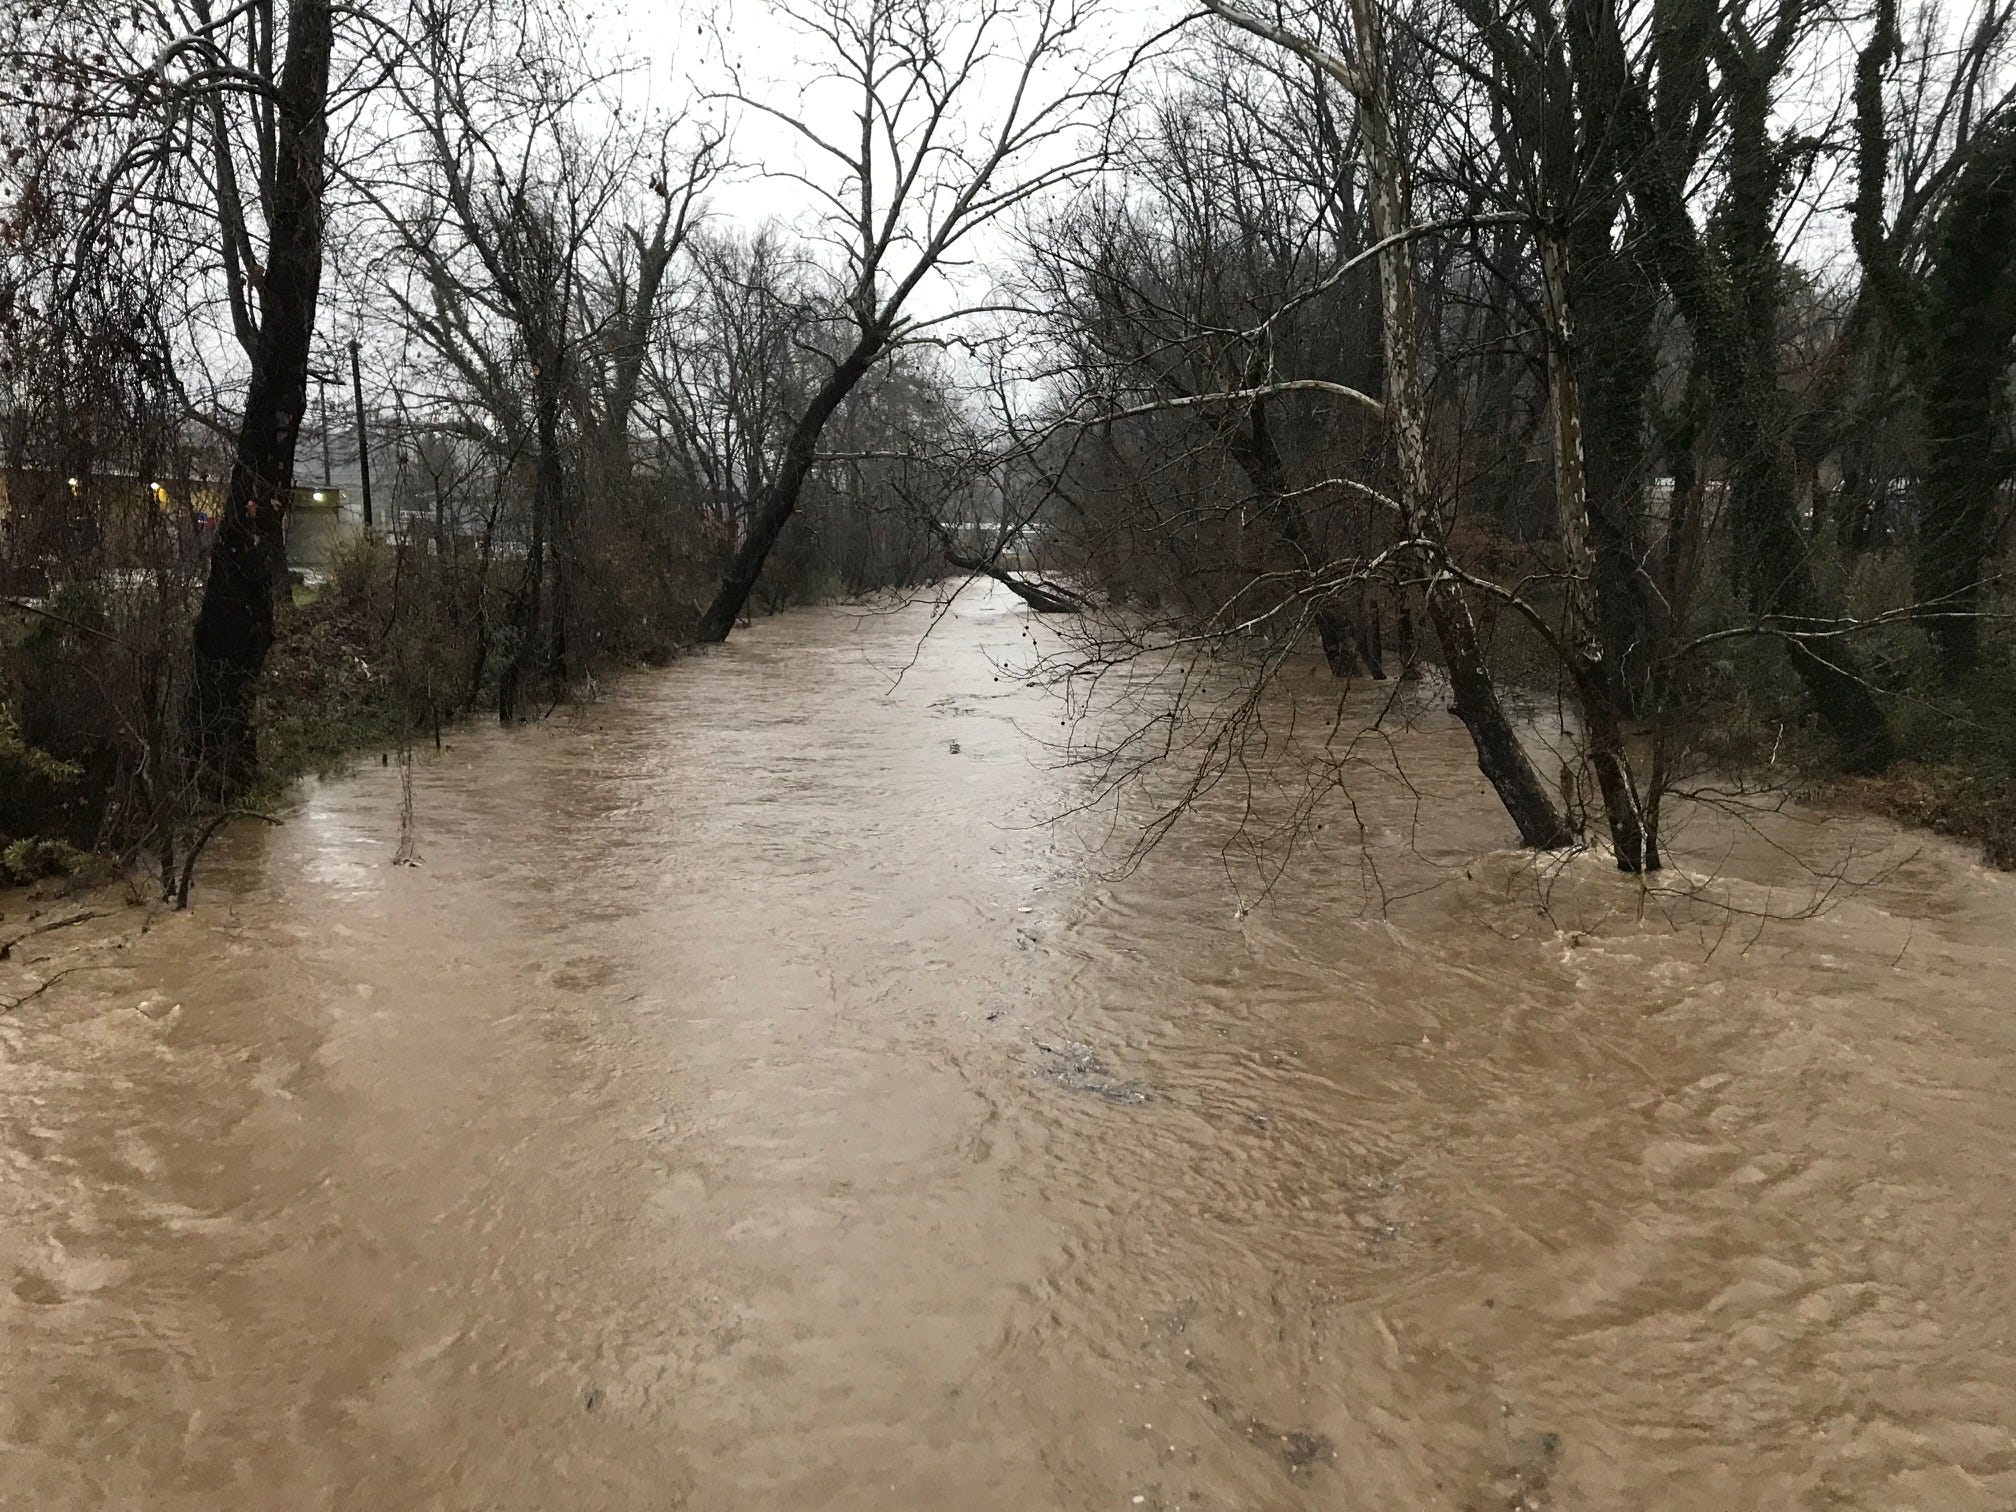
<point x="764" y="1096"/>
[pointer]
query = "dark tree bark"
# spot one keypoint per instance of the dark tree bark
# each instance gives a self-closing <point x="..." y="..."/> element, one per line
<point x="1771" y="547"/>
<point x="234" y="628"/>
<point x="1970" y="321"/>
<point x="775" y="505"/>
<point x="527" y="601"/>
<point x="1043" y="597"/>
<point x="1955" y="329"/>
<point x="1614" y="306"/>
<point x="1559" y="91"/>
<point x="1500" y="756"/>
<point x="1730" y="303"/>
<point x="1345" y="645"/>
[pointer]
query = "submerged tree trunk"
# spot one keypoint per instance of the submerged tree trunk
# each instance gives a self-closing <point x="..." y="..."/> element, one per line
<point x="1633" y="827"/>
<point x="528" y="599"/>
<point x="1344" y="642"/>
<point x="1615" y="363"/>
<point x="776" y="503"/>
<point x="234" y="627"/>
<point x="1043" y="597"/>
<point x="1499" y="754"/>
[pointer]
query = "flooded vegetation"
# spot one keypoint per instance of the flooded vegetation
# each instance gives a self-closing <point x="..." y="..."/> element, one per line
<point x="1007" y="756"/>
<point x="772" y="1091"/>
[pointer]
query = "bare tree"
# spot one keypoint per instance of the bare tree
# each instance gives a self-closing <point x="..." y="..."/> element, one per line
<point x="234" y="102"/>
<point x="1364" y="78"/>
<point x="1941" y="272"/>
<point x="1214" y="271"/>
<point x="1728" y="288"/>
<point x="537" y="295"/>
<point x="913" y="181"/>
<point x="727" y="374"/>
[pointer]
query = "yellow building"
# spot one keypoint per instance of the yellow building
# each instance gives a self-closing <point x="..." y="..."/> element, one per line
<point x="118" y="520"/>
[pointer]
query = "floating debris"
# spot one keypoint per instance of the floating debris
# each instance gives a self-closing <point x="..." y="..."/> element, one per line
<point x="1301" y="1452"/>
<point x="1078" y="1068"/>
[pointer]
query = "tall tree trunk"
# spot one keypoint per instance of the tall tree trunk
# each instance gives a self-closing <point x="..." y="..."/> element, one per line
<point x="528" y="600"/>
<point x="1344" y="645"/>
<point x="1499" y="754"/>
<point x="1970" y="320"/>
<point x="777" y="501"/>
<point x="234" y="627"/>
<point x="1763" y="497"/>
<point x="1615" y="301"/>
<point x="1955" y="329"/>
<point x="1731" y="311"/>
<point x="1633" y="834"/>
<point x="1613" y="356"/>
<point x="560" y="657"/>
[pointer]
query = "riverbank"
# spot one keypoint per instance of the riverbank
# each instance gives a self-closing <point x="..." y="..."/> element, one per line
<point x="394" y="650"/>
<point x="399" y="644"/>
<point x="1953" y="801"/>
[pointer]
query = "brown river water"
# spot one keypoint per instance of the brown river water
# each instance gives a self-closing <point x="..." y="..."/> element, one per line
<point x="753" y="1102"/>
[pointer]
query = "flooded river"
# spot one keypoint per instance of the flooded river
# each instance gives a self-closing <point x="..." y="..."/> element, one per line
<point x="756" y="1101"/>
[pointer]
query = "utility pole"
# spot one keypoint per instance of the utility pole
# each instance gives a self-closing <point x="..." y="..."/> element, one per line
<point x="322" y="397"/>
<point x="363" y="441"/>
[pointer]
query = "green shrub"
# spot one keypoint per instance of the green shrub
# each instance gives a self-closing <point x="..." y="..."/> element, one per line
<point x="35" y="788"/>
<point x="32" y="859"/>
